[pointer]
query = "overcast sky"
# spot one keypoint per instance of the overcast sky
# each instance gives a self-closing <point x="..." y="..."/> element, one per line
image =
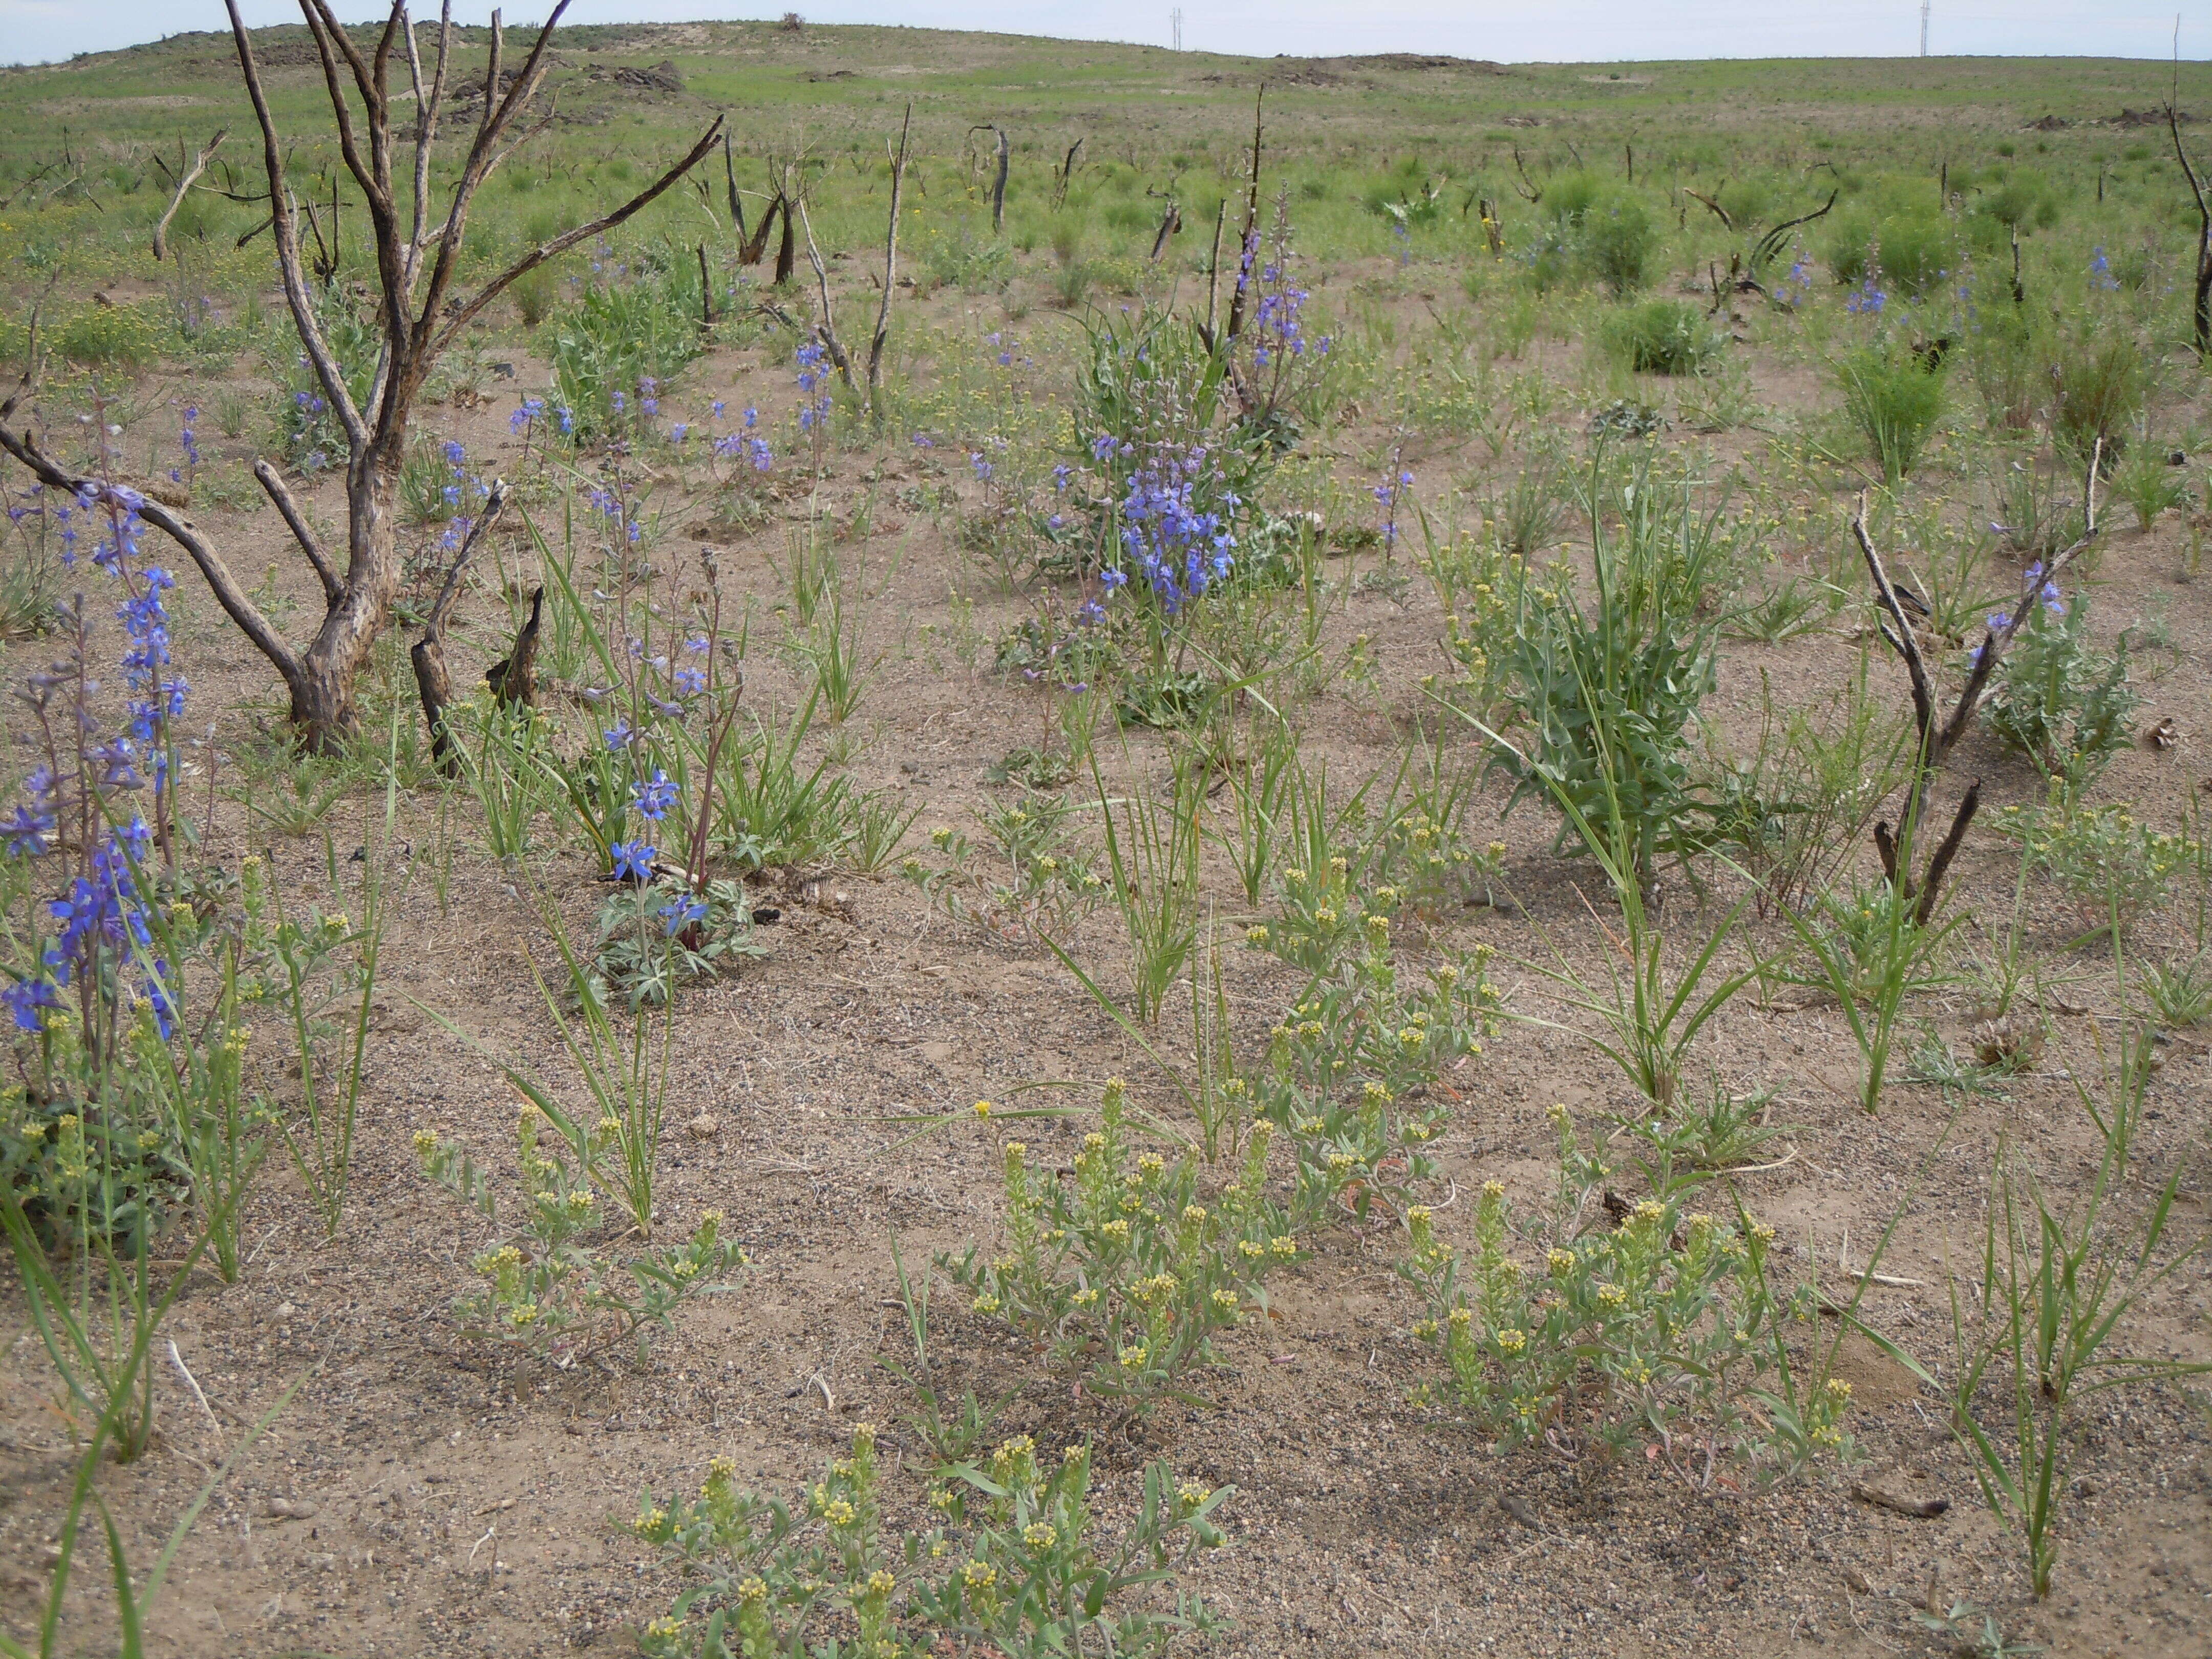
<point x="1551" y="31"/>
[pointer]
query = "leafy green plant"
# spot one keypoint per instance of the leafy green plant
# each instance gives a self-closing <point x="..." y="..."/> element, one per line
<point x="1895" y="400"/>
<point x="1983" y="1641"/>
<point x="1131" y="1262"/>
<point x="1053" y="884"/>
<point x="1662" y="337"/>
<point x="1152" y="860"/>
<point x="1791" y="810"/>
<point x="320" y="1138"/>
<point x="2057" y="699"/>
<point x="2178" y="994"/>
<point x="2146" y="481"/>
<point x="620" y="339"/>
<point x="2113" y="866"/>
<point x="2055" y="1282"/>
<point x="656" y="937"/>
<point x="1657" y="1329"/>
<point x="1023" y="1568"/>
<point x="2099" y="382"/>
<point x="1606" y="693"/>
<point x="1868" y="949"/>
<point x="1619" y="243"/>
<point x="553" y="1294"/>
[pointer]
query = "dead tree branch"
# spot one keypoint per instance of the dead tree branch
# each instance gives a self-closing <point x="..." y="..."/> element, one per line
<point x="184" y="183"/>
<point x="1248" y="243"/>
<point x="825" y="327"/>
<point x="1716" y="209"/>
<point x="2201" y="312"/>
<point x="1939" y="736"/>
<point x="881" y="334"/>
<point x="428" y="653"/>
<point x="272" y="485"/>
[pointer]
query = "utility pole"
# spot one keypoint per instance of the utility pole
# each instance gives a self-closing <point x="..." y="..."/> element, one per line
<point x="1924" y="28"/>
<point x="1175" y="18"/>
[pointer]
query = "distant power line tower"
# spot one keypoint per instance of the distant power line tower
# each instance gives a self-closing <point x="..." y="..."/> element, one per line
<point x="1924" y="28"/>
<point x="1175" y="18"/>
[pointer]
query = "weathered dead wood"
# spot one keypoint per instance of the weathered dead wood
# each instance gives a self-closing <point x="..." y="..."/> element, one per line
<point x="2200" y="309"/>
<point x="1248" y="243"/>
<point x="881" y="334"/>
<point x="187" y="177"/>
<point x="1170" y="222"/>
<point x="418" y="316"/>
<point x="513" y="677"/>
<point x="1939" y="735"/>
<point x="427" y="654"/>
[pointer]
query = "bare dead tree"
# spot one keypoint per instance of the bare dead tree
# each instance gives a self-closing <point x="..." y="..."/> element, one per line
<point x="417" y="263"/>
<point x="1247" y="245"/>
<point x="825" y="326"/>
<point x="1528" y="190"/>
<point x="1213" y="272"/>
<point x="1064" y="174"/>
<point x="1170" y="222"/>
<point x="1711" y="205"/>
<point x="890" y="261"/>
<point x="1003" y="155"/>
<point x="1938" y="736"/>
<point x="2200" y="311"/>
<point x="186" y="178"/>
<point x="729" y="180"/>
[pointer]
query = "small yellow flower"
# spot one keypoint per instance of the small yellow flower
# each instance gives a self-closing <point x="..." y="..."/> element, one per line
<point x="983" y="1109"/>
<point x="979" y="1575"/>
<point x="1512" y="1341"/>
<point x="1040" y="1535"/>
<point x="838" y="1512"/>
<point x="752" y="1589"/>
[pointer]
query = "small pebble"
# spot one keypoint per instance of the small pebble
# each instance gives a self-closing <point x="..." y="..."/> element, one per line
<point x="705" y="1126"/>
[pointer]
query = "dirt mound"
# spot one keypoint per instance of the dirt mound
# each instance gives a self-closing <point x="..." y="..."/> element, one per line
<point x="1414" y="60"/>
<point x="662" y="78"/>
<point x="2049" y="123"/>
<point x="2150" y="118"/>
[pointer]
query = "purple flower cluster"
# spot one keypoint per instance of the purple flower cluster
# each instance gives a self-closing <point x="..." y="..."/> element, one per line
<point x="1180" y="547"/>
<point x="1867" y="300"/>
<point x="101" y="918"/>
<point x="814" y="364"/>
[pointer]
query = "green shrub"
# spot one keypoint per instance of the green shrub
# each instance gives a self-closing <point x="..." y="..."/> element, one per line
<point x="1620" y="244"/>
<point x="2098" y="381"/>
<point x="1662" y="337"/>
<point x="534" y="290"/>
<point x="2147" y="482"/>
<point x="1909" y="252"/>
<point x="1895" y="399"/>
<point x="127" y="337"/>
<point x="1604" y="698"/>
<point x="2113" y="867"/>
<point x="1662" y="1326"/>
<point x="1569" y="198"/>
<point x="1015" y="1559"/>
<point x="621" y="335"/>
<point x="2064" y="705"/>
